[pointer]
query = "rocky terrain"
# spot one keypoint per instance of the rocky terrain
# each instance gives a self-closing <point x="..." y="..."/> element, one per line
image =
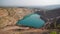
<point x="10" y="16"/>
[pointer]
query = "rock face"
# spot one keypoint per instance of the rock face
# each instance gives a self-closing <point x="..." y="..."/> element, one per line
<point x="9" y="16"/>
<point x="49" y="13"/>
<point x="50" y="16"/>
<point x="3" y="12"/>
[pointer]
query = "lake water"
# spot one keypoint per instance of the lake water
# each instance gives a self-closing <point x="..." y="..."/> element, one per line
<point x="32" y="20"/>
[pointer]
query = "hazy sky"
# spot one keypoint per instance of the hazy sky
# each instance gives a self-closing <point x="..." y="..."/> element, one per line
<point x="29" y="2"/>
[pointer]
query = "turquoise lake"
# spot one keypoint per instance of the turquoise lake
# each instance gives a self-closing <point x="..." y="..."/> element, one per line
<point x="32" y="20"/>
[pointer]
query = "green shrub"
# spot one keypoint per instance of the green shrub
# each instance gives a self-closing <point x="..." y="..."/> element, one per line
<point x="53" y="32"/>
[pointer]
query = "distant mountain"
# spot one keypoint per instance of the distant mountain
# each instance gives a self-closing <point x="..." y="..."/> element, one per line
<point x="49" y="7"/>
